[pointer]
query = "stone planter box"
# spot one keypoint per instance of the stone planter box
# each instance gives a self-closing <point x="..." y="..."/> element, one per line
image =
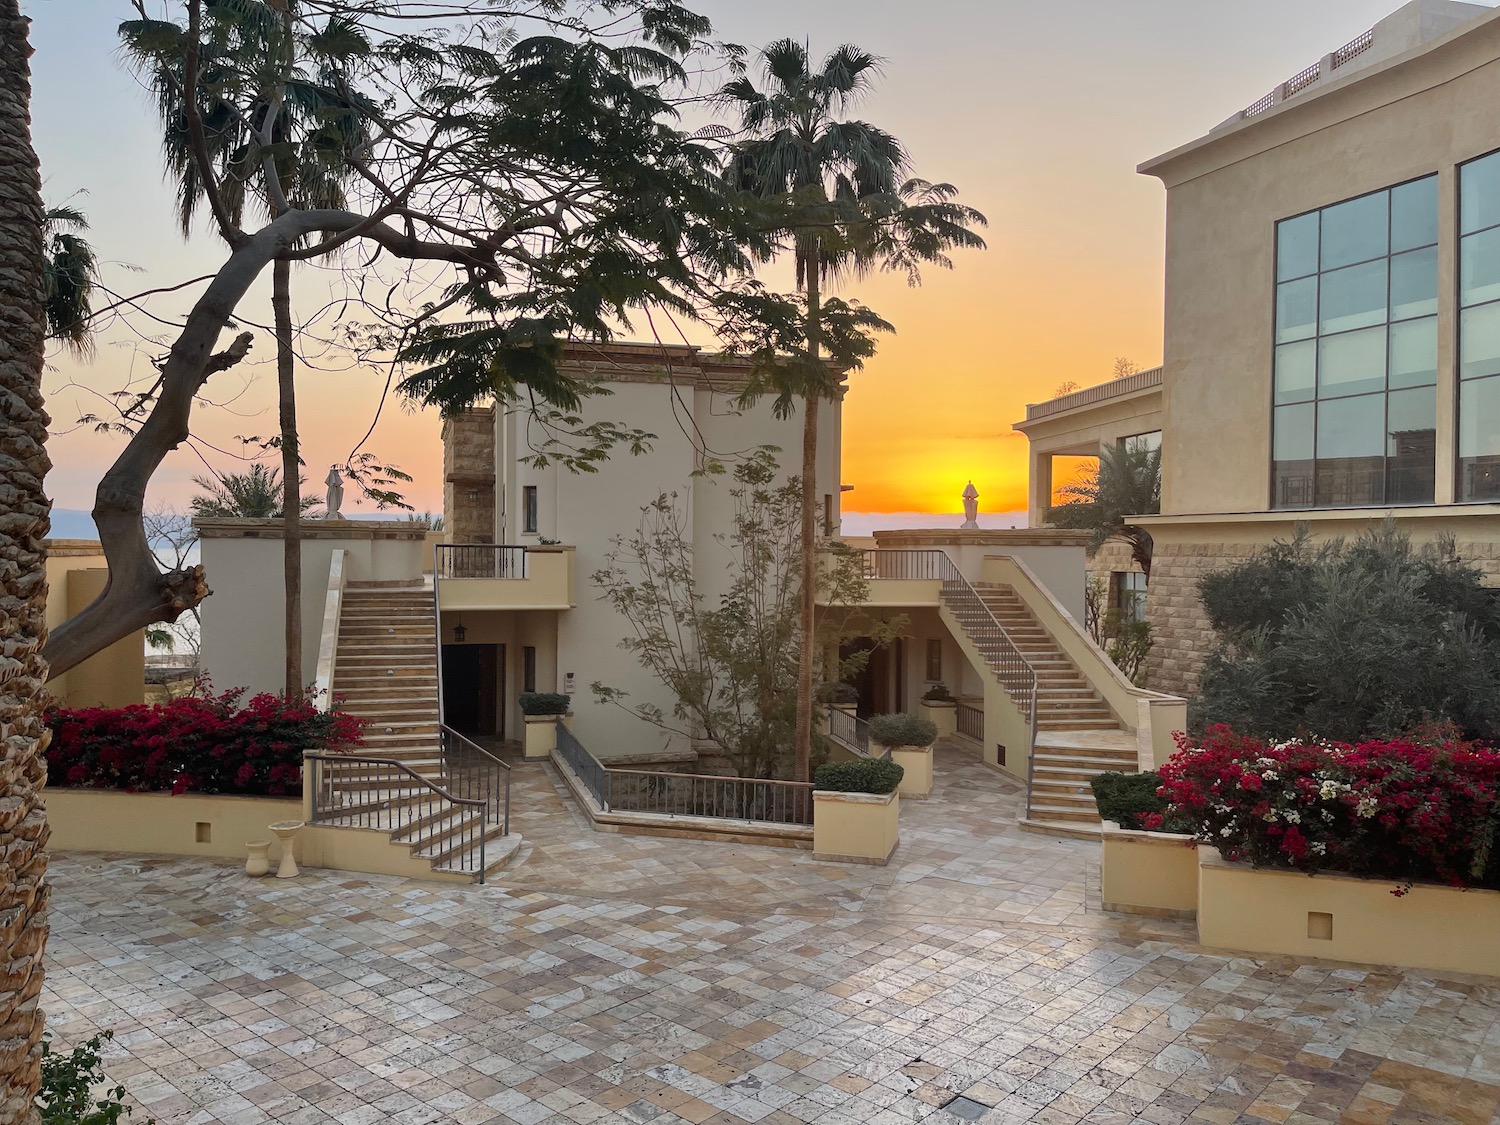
<point x="541" y="734"/>
<point x="856" y="827"/>
<point x="1153" y="873"/>
<point x="1337" y="918"/>
<point x="942" y="715"/>
<point x="916" y="783"/>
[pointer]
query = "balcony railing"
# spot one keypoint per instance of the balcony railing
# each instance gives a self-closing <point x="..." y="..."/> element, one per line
<point x="481" y="560"/>
<point x="900" y="565"/>
<point x="971" y="721"/>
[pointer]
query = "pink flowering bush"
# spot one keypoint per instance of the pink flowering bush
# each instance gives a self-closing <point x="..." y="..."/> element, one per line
<point x="1421" y="808"/>
<point x="200" y="744"/>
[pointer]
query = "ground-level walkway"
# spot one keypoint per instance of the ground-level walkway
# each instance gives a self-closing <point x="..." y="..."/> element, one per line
<point x="626" y="979"/>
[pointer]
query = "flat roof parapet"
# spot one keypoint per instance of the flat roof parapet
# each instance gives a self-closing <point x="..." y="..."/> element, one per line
<point x="1101" y="392"/>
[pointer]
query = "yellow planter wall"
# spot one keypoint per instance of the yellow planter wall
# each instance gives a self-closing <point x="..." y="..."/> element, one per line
<point x="944" y="716"/>
<point x="1148" y="872"/>
<point x="96" y="820"/>
<point x="541" y="735"/>
<point x="1344" y="919"/>
<point x="856" y="827"/>
<point x="916" y="782"/>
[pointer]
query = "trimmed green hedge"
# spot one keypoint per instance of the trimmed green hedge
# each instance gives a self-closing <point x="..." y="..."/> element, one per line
<point x="545" y="703"/>
<point x="840" y="693"/>
<point x="938" y="693"/>
<point x="1127" y="797"/>
<point x="868" y="775"/>
<point x="903" y="730"/>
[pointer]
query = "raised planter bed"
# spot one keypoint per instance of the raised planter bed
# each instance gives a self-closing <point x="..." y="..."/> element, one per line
<point x="541" y="734"/>
<point x="943" y="715"/>
<point x="1152" y="873"/>
<point x="856" y="827"/>
<point x="916" y="783"/>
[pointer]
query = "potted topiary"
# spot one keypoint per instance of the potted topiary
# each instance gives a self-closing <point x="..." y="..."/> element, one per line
<point x="909" y="741"/>
<point x="857" y="811"/>
<point x="940" y="708"/>
<point x="543" y="710"/>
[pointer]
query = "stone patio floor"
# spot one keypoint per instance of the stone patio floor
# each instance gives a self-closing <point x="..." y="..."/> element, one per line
<point x="613" y="978"/>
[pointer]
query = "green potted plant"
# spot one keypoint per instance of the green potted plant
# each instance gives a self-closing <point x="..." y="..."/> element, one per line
<point x="857" y="811"/>
<point x="940" y="707"/>
<point x="543" y="710"/>
<point x="909" y="741"/>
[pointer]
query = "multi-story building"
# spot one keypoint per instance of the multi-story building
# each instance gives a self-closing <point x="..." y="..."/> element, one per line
<point x="1332" y="319"/>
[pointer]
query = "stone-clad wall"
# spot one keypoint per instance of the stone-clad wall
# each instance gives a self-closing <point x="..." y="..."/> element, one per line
<point x="469" y="467"/>
<point x="1179" y="624"/>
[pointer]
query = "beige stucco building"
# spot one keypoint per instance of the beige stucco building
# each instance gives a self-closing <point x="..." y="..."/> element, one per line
<point x="1331" y="340"/>
<point x="77" y="573"/>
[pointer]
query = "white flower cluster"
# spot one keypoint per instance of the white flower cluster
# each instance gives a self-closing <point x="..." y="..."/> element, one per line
<point x="1332" y="790"/>
<point x="1366" y="807"/>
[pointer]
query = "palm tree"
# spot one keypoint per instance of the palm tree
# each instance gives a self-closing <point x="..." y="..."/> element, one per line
<point x="264" y="117"/>
<point x="69" y="271"/>
<point x="1126" y="482"/>
<point x="23" y="579"/>
<point x="846" y="207"/>
<point x="255" y="494"/>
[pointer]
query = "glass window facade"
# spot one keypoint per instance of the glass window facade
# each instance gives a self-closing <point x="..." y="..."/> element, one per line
<point x="1355" y="398"/>
<point x="1479" y="330"/>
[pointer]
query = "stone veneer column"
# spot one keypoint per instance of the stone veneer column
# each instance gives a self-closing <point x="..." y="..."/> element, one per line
<point x="1180" y="630"/>
<point x="469" y="476"/>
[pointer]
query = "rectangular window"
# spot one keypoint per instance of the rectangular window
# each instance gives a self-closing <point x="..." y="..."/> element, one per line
<point x="1130" y="595"/>
<point x="528" y="509"/>
<point x="1354" y="417"/>
<point x="1146" y="443"/>
<point x="528" y="668"/>
<point x="934" y="660"/>
<point x="1479" y="330"/>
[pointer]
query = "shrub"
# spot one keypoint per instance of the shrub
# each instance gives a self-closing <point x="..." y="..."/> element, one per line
<point x="201" y="744"/>
<point x="938" y="693"/>
<point x="1351" y="641"/>
<point x="1127" y="797"/>
<point x="1411" y="809"/>
<point x="841" y="694"/>
<point x="868" y="775"/>
<point x="903" y="730"/>
<point x="68" y="1095"/>
<point x="545" y="703"/>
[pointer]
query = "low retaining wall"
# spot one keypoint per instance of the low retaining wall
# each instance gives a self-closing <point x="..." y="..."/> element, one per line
<point x="1260" y="910"/>
<point x="1152" y="873"/>
<point x="219" y="827"/>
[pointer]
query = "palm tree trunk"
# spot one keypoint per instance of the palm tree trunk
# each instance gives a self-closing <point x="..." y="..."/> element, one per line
<point x="807" y="605"/>
<point x="291" y="482"/>
<point x="23" y="582"/>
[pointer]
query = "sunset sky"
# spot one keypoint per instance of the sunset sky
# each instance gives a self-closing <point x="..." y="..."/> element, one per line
<point x="1038" y="111"/>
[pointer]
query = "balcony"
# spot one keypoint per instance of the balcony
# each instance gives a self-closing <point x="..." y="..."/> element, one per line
<point x="892" y="579"/>
<point x="475" y="576"/>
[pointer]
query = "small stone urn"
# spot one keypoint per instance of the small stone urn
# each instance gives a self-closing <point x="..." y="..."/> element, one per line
<point x="286" y="832"/>
<point x="259" y="861"/>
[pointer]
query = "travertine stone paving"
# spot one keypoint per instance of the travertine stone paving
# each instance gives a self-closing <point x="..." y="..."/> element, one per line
<point x="626" y="979"/>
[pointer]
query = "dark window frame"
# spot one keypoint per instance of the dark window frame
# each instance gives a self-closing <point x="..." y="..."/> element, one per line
<point x="530" y="510"/>
<point x="1459" y="308"/>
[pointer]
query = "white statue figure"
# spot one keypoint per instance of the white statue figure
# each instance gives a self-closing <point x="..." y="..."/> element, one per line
<point x="971" y="508"/>
<point x="335" y="498"/>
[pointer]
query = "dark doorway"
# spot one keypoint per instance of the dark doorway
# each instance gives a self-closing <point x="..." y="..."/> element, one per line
<point x="873" y="681"/>
<point x="471" y="688"/>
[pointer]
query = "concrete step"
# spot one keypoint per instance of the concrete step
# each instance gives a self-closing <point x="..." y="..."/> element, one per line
<point x="499" y="853"/>
<point x="1042" y="810"/>
<point x="446" y="851"/>
<point x="1075" y="830"/>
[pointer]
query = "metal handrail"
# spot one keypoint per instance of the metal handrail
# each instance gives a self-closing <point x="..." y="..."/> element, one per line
<point x="480" y="560"/>
<point x="488" y="760"/>
<point x="400" y="814"/>
<point x="852" y="732"/>
<point x="588" y="769"/>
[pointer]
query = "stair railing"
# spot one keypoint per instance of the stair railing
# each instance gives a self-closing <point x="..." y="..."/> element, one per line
<point x="359" y="793"/>
<point x="474" y="773"/>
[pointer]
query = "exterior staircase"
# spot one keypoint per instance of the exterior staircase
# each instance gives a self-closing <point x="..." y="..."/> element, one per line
<point x="386" y="673"/>
<point x="1077" y="735"/>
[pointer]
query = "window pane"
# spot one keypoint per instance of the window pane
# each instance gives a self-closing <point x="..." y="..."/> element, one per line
<point x="1292" y="484"/>
<point x="1480" y="189"/>
<point x="1352" y="364"/>
<point x="1411" y="447"/>
<point x="1480" y="267"/>
<point x="1296" y="372"/>
<point x="1353" y="297"/>
<point x="1479" y="440"/>
<point x="1355" y="231"/>
<point x="1414" y="284"/>
<point x="1414" y="353"/>
<point x="1479" y="349"/>
<point x="1414" y="215"/>
<point x="1297" y="247"/>
<point x="1296" y="310"/>
<point x="1351" y="452"/>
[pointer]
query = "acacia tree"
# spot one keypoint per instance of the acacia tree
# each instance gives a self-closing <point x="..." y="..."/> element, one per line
<point x="844" y="203"/>
<point x="534" y="182"/>
<point x="730" y="661"/>
<point x="23" y="579"/>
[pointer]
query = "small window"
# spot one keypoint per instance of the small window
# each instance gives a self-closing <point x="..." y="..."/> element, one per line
<point x="1130" y="595"/>
<point x="528" y="668"/>
<point x="934" y="660"/>
<point x="827" y="513"/>
<point x="528" y="509"/>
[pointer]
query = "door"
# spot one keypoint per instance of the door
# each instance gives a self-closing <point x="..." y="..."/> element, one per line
<point x="471" y="695"/>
